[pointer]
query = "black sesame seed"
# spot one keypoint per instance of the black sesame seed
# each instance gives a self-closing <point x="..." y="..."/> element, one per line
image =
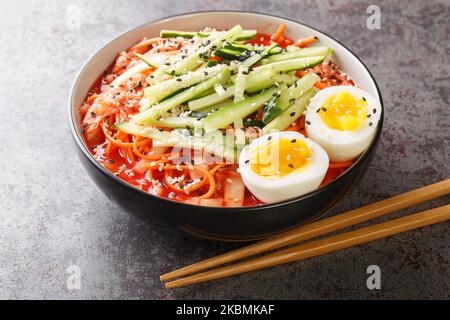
<point x="292" y="100"/>
<point x="247" y="161"/>
<point x="318" y="110"/>
<point x="324" y="109"/>
<point x="369" y="115"/>
<point x="293" y="140"/>
<point x="292" y="114"/>
<point x="269" y="138"/>
<point x="370" y="123"/>
<point x="308" y="123"/>
<point x="364" y="98"/>
<point x="179" y="79"/>
<point x="167" y="64"/>
<point x="291" y="166"/>
<point x="374" y="111"/>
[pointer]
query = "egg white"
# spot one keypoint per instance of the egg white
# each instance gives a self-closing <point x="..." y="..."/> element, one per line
<point x="274" y="188"/>
<point x="342" y="145"/>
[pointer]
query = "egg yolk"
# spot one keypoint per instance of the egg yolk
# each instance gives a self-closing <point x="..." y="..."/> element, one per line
<point x="280" y="157"/>
<point x="343" y="111"/>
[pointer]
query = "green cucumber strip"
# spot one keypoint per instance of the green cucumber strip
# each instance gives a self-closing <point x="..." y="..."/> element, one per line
<point x="157" y="110"/>
<point x="289" y="95"/>
<point x="257" y="81"/>
<point x="161" y="90"/>
<point x="153" y="61"/>
<point x="291" y="114"/>
<point x="165" y="34"/>
<point x="241" y="47"/>
<point x="241" y="81"/>
<point x="301" y="53"/>
<point x="194" y="60"/>
<point x="239" y="133"/>
<point x="247" y="35"/>
<point x="227" y="54"/>
<point x="169" y="139"/>
<point x="177" y="122"/>
<point x="211" y="100"/>
<point x="228" y="114"/>
<point x="215" y="143"/>
<point x="291" y="65"/>
<point x="254" y="83"/>
<point x="272" y="110"/>
<point x="295" y="91"/>
<point x="139" y="130"/>
<point x="212" y="63"/>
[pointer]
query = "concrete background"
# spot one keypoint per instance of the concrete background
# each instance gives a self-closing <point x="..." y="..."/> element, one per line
<point x="52" y="216"/>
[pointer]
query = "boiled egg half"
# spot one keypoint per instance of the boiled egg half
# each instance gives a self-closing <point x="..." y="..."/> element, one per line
<point x="283" y="165"/>
<point x="343" y="120"/>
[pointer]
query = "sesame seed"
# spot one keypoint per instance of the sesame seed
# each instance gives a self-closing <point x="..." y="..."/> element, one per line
<point x="308" y="123"/>
<point x="293" y="140"/>
<point x="292" y="114"/>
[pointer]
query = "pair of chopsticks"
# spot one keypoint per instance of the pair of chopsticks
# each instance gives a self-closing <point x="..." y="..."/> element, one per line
<point x="325" y="245"/>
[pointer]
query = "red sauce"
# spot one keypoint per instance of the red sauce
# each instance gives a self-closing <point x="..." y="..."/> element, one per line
<point x="123" y="167"/>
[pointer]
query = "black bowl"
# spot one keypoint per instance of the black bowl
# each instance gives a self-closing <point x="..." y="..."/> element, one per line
<point x="226" y="224"/>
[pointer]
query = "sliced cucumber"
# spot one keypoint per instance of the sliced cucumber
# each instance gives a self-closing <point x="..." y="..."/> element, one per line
<point x="272" y="110"/>
<point x="166" y="34"/>
<point x="291" y="114"/>
<point x="227" y="54"/>
<point x="157" y="110"/>
<point x="211" y="100"/>
<point x="289" y="95"/>
<point x="164" y="89"/>
<point x="170" y="139"/>
<point x="301" y="53"/>
<point x="291" y="65"/>
<point x="195" y="59"/>
<point x="241" y="81"/>
<point x="241" y="47"/>
<point x="139" y="130"/>
<point x="295" y="91"/>
<point x="212" y="63"/>
<point x="154" y="61"/>
<point x="231" y="113"/>
<point x="254" y="83"/>
<point x="246" y="34"/>
<point x="178" y="122"/>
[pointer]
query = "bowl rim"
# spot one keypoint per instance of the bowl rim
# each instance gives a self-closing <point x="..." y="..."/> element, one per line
<point x="82" y="146"/>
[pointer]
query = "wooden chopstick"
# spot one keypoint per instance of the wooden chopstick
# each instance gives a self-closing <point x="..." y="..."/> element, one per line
<point x="323" y="246"/>
<point x="321" y="227"/>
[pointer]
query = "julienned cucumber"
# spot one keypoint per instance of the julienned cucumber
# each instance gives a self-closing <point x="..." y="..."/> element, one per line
<point x="295" y="91"/>
<point x="301" y="53"/>
<point x="289" y="95"/>
<point x="195" y="59"/>
<point x="291" y="114"/>
<point x="161" y="90"/>
<point x="239" y="110"/>
<point x="178" y="122"/>
<point x="253" y="83"/>
<point x="246" y="35"/>
<point x="158" y="110"/>
<point x="271" y="110"/>
<point x="291" y="65"/>
<point x="169" y="139"/>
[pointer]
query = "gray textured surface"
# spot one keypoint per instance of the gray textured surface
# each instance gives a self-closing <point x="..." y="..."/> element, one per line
<point x="52" y="216"/>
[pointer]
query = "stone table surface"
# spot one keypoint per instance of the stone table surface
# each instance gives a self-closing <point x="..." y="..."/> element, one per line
<point x="53" y="217"/>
